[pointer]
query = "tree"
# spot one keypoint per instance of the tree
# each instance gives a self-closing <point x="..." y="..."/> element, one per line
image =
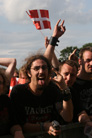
<point x="87" y="44"/>
<point x="64" y="54"/>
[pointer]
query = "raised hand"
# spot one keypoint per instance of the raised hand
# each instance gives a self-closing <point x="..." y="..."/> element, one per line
<point x="59" y="30"/>
<point x="73" y="56"/>
<point x="58" y="79"/>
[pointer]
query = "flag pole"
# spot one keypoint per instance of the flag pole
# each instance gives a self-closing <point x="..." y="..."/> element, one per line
<point x="27" y="12"/>
<point x="43" y="34"/>
<point x="44" y="37"/>
<point x="57" y="52"/>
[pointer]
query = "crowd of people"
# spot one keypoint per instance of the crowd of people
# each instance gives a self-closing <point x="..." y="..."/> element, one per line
<point x="53" y="93"/>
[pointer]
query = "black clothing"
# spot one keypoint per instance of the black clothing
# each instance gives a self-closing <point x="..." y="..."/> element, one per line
<point x="32" y="108"/>
<point x="5" y="115"/>
<point x="82" y="96"/>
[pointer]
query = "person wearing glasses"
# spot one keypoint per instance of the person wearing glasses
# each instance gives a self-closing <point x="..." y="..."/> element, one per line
<point x="36" y="101"/>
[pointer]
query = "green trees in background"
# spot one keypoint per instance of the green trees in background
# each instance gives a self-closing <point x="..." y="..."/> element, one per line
<point x="88" y="44"/>
<point x="64" y="54"/>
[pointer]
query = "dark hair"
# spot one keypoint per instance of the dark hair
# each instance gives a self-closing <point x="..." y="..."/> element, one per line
<point x="70" y="63"/>
<point x="31" y="59"/>
<point x="83" y="50"/>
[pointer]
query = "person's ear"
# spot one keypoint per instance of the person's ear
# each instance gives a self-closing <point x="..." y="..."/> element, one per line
<point x="80" y="62"/>
<point x="29" y="74"/>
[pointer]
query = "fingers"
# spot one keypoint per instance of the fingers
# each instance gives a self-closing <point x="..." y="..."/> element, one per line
<point x="58" y="22"/>
<point x="74" y="51"/>
<point x="54" y="132"/>
<point x="59" y="29"/>
<point x="72" y="54"/>
<point x="62" y="23"/>
<point x="63" y="27"/>
<point x="58" y="78"/>
<point x="57" y="73"/>
<point x="46" y="41"/>
<point x="46" y="38"/>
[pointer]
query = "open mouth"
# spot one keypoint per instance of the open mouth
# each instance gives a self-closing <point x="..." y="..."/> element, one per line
<point x="41" y="80"/>
<point x="90" y="68"/>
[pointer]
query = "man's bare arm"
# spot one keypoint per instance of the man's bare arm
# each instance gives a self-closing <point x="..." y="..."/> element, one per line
<point x="59" y="30"/>
<point x="10" y="64"/>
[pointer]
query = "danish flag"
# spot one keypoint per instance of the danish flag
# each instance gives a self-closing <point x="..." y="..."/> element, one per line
<point x="40" y="18"/>
<point x="15" y="81"/>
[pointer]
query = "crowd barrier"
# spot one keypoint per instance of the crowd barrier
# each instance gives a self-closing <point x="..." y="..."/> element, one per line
<point x="74" y="130"/>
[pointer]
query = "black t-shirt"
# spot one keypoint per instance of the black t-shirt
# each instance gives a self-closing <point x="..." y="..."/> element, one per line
<point x="32" y="108"/>
<point x="82" y="96"/>
<point x="5" y="115"/>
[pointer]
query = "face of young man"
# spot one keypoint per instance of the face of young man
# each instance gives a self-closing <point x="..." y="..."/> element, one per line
<point x="69" y="74"/>
<point x="39" y="74"/>
<point x="87" y="62"/>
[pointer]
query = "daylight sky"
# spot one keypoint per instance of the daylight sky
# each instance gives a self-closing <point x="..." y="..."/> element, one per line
<point x="19" y="37"/>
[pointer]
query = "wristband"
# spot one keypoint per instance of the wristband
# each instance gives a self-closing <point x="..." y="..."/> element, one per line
<point x="67" y="97"/>
<point x="66" y="91"/>
<point x="42" y="126"/>
<point x="66" y="94"/>
<point x="53" y="41"/>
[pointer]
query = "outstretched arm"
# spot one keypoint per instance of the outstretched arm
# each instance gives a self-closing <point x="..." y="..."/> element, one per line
<point x="49" y="53"/>
<point x="10" y="63"/>
<point x="54" y="61"/>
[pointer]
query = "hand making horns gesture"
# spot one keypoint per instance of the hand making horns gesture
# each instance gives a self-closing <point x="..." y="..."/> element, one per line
<point x="59" y="29"/>
<point x="73" y="56"/>
<point x="59" y="80"/>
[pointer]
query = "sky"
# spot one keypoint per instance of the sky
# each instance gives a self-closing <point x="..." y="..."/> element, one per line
<point x="19" y="37"/>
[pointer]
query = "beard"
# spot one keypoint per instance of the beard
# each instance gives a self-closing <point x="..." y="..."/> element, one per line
<point x="41" y="87"/>
<point x="89" y="71"/>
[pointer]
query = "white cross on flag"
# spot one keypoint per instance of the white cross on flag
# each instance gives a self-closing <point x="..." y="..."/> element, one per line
<point x="40" y="18"/>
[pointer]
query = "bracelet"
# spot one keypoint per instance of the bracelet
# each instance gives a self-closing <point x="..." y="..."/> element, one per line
<point x="53" y="41"/>
<point x="42" y="126"/>
<point x="66" y="91"/>
<point x="67" y="97"/>
<point x="66" y="94"/>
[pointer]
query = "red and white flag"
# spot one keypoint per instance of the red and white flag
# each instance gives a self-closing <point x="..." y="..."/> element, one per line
<point x="15" y="81"/>
<point x="40" y="18"/>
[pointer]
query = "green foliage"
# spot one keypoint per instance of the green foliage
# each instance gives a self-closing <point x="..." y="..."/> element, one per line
<point x="64" y="54"/>
<point x="86" y="45"/>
